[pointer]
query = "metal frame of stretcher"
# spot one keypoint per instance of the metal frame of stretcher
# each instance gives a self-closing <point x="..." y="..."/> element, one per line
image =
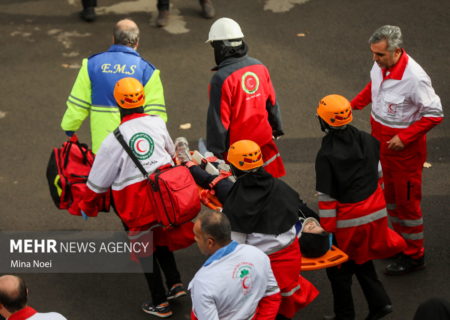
<point x="332" y="258"/>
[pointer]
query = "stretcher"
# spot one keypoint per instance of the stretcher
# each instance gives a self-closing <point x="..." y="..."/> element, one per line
<point x="332" y="258"/>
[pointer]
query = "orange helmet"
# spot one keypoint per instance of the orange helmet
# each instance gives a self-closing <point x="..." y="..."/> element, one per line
<point x="129" y="93"/>
<point x="245" y="155"/>
<point x="335" y="110"/>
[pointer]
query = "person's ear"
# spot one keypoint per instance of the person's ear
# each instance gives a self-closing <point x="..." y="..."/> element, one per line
<point x="397" y="52"/>
<point x="210" y="243"/>
<point x="135" y="48"/>
<point x="113" y="40"/>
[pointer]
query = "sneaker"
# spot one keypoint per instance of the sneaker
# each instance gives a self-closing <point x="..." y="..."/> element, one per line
<point x="176" y="291"/>
<point x="405" y="264"/>
<point x="88" y="14"/>
<point x="182" y="150"/>
<point x="162" y="310"/>
<point x="208" y="10"/>
<point x="163" y="17"/>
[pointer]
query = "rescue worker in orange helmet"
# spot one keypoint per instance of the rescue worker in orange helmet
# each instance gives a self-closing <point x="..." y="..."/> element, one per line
<point x="352" y="207"/>
<point x="262" y="211"/>
<point x="148" y="139"/>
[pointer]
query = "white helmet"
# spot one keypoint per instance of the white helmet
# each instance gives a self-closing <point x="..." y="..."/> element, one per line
<point x="225" y="29"/>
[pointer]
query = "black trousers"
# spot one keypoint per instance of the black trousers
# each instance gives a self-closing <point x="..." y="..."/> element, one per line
<point x="163" y="5"/>
<point x="163" y="259"/>
<point x="341" y="284"/>
<point x="89" y="3"/>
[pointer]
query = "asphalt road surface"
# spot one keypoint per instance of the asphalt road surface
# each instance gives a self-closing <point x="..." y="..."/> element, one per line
<point x="43" y="42"/>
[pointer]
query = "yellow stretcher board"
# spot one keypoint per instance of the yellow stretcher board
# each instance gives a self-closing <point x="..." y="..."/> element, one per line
<point x="332" y="258"/>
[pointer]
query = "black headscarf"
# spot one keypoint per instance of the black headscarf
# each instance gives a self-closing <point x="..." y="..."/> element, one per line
<point x="259" y="203"/>
<point x="222" y="52"/>
<point x="433" y="309"/>
<point x="347" y="165"/>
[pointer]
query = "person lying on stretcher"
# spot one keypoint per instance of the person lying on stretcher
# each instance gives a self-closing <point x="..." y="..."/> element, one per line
<point x="313" y="239"/>
<point x="263" y="211"/>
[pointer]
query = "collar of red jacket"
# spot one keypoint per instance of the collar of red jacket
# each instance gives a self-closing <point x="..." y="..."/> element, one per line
<point x="399" y="68"/>
<point x="133" y="116"/>
<point x="228" y="61"/>
<point x="23" y="314"/>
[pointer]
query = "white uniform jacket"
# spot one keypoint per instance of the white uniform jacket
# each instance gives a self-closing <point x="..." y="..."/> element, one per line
<point x="150" y="142"/>
<point x="231" y="284"/>
<point x="403" y="103"/>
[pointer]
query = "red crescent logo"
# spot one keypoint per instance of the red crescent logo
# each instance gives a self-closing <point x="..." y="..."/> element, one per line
<point x="243" y="283"/>
<point x="137" y="146"/>
<point x="249" y="85"/>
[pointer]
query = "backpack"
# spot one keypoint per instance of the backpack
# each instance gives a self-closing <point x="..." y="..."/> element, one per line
<point x="171" y="189"/>
<point x="67" y="173"/>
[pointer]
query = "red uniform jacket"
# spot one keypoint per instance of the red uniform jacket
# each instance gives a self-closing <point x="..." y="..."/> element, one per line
<point x="242" y="105"/>
<point x="361" y="229"/>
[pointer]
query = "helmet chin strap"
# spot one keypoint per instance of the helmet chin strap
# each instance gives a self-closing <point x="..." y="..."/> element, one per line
<point x="325" y="127"/>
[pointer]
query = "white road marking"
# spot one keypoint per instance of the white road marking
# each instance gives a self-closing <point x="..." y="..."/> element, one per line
<point x="127" y="7"/>
<point x="282" y="5"/>
<point x="71" y="54"/>
<point x="23" y="34"/>
<point x="2" y="114"/>
<point x="176" y="24"/>
<point x="64" y="37"/>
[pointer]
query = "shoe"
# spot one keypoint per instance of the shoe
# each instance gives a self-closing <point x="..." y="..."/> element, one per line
<point x="208" y="10"/>
<point x="162" y="310"/>
<point x="380" y="313"/>
<point x="182" y="150"/>
<point x="163" y="17"/>
<point x="176" y="291"/>
<point x="405" y="264"/>
<point x="329" y="318"/>
<point x="88" y="14"/>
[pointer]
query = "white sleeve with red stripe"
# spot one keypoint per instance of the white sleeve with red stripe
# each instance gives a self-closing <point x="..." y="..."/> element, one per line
<point x="327" y="212"/>
<point x="427" y="100"/>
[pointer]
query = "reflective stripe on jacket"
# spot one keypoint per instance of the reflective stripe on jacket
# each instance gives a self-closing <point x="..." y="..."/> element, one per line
<point x="403" y="103"/>
<point x="361" y="229"/>
<point x="94" y="87"/>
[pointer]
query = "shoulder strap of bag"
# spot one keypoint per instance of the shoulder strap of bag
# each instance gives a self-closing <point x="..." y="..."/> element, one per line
<point x="119" y="138"/>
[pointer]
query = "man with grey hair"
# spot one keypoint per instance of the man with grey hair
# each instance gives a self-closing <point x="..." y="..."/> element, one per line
<point x="13" y="301"/>
<point x="236" y="282"/>
<point x="404" y="108"/>
<point x="93" y="89"/>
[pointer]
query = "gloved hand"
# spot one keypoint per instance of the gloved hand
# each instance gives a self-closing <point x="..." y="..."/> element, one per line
<point x="276" y="134"/>
<point x="84" y="215"/>
<point x="70" y="133"/>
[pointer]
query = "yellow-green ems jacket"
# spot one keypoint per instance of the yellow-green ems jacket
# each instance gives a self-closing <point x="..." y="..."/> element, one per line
<point x="93" y="91"/>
